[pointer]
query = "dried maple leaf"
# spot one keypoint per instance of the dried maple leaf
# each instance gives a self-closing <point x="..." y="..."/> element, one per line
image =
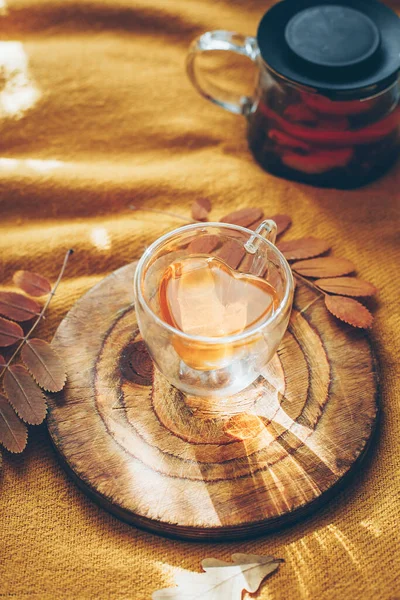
<point x="44" y="364"/>
<point x="32" y="283"/>
<point x="232" y="253"/>
<point x="328" y="266"/>
<point x="13" y="432"/>
<point x="347" y="286"/>
<point x="222" y="580"/>
<point x="200" y="209"/>
<point x="18" y="307"/>
<point x="24" y="395"/>
<point x="243" y="217"/>
<point x="352" y="312"/>
<point x="204" y="244"/>
<point x="307" y="247"/>
<point x="10" y="332"/>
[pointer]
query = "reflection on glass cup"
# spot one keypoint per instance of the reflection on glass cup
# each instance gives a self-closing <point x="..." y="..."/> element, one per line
<point x="249" y="268"/>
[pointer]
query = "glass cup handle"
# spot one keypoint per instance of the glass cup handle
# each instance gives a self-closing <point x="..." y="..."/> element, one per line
<point x="227" y="41"/>
<point x="266" y="229"/>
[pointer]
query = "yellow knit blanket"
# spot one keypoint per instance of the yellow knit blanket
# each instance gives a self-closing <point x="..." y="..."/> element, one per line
<point x="97" y="115"/>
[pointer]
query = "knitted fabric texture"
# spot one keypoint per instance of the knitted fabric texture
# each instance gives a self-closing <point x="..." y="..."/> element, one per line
<point x="97" y="114"/>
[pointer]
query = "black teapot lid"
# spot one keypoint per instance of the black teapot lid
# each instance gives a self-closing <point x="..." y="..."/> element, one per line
<point x="340" y="49"/>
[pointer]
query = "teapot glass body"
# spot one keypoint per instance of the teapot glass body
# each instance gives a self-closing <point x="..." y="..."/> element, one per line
<point x="299" y="133"/>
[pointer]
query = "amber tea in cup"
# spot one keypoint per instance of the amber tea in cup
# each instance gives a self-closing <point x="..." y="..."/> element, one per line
<point x="201" y="295"/>
<point x="213" y="302"/>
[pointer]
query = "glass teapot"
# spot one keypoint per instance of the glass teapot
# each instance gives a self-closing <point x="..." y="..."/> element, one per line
<point x="326" y="107"/>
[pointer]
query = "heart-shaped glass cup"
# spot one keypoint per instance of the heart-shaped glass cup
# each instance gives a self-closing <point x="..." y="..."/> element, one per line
<point x="219" y="363"/>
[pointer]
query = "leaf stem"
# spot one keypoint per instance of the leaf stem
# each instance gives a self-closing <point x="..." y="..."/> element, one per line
<point x="309" y="283"/>
<point x="41" y="315"/>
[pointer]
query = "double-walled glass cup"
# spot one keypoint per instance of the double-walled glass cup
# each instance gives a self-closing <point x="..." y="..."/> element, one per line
<point x="213" y="366"/>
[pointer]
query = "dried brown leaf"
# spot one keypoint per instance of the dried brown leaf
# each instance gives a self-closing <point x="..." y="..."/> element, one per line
<point x="232" y="253"/>
<point x="347" y="286"/>
<point x="351" y="311"/>
<point x="10" y="332"/>
<point x="200" y="209"/>
<point x="18" y="307"/>
<point x="25" y="395"/>
<point x="13" y="432"/>
<point x="244" y="217"/>
<point x="44" y="364"/>
<point x="2" y="361"/>
<point x="307" y="247"/>
<point x="256" y="224"/>
<point x="204" y="244"/>
<point x="222" y="580"/>
<point x="283" y="222"/>
<point x="328" y="266"/>
<point x="32" y="283"/>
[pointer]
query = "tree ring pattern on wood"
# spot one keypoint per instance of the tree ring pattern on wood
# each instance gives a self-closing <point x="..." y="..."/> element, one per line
<point x="164" y="461"/>
<point x="135" y="363"/>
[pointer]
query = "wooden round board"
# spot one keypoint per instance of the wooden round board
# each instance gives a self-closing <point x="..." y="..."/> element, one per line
<point x="194" y="469"/>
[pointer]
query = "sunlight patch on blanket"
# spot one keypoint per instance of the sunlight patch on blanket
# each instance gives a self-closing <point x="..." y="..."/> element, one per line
<point x="18" y="92"/>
